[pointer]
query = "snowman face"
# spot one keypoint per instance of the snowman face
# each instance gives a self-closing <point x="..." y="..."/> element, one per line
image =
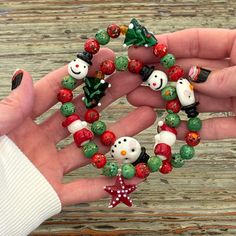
<point x="157" y="80"/>
<point x="126" y="150"/>
<point x="185" y="92"/>
<point x="78" y="68"/>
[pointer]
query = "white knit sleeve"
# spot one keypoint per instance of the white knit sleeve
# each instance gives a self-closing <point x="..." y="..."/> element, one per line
<point x="26" y="197"/>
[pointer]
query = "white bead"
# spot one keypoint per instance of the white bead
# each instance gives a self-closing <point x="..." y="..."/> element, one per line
<point x="78" y="68"/>
<point x="76" y="126"/>
<point x="157" y="80"/>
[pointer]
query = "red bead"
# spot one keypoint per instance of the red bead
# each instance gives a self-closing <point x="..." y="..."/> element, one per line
<point x="163" y="150"/>
<point x="99" y="160"/>
<point x="108" y="138"/>
<point x="65" y="95"/>
<point x="166" y="167"/>
<point x="92" y="46"/>
<point x="82" y="136"/>
<point x="113" y="31"/>
<point x="175" y="73"/>
<point x="135" y="66"/>
<point x="173" y="105"/>
<point x="160" y="50"/>
<point x="142" y="170"/>
<point x="107" y="67"/>
<point x="91" y="115"/>
<point x="192" y="138"/>
<point x="70" y="119"/>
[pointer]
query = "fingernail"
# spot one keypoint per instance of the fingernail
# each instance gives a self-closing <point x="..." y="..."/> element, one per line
<point x="16" y="79"/>
<point x="198" y="74"/>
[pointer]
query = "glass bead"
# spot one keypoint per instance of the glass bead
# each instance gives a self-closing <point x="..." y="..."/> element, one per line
<point x="107" y="67"/>
<point x="91" y="115"/>
<point x="102" y="37"/>
<point x="194" y="124"/>
<point x="187" y="152"/>
<point x="89" y="149"/>
<point x="159" y="50"/>
<point x="113" y="31"/>
<point x="154" y="163"/>
<point x="128" y="170"/>
<point x="92" y="46"/>
<point x="192" y="138"/>
<point x="110" y="169"/>
<point x="142" y="170"/>
<point x="177" y="161"/>
<point x="168" y="60"/>
<point x="166" y="167"/>
<point x="175" y="73"/>
<point x="121" y="63"/>
<point x="172" y="120"/>
<point x="169" y="93"/>
<point x="108" y="138"/>
<point x="69" y="82"/>
<point x="99" y="160"/>
<point x="98" y="127"/>
<point x="64" y="95"/>
<point x="173" y="106"/>
<point x="67" y="109"/>
<point x="135" y="66"/>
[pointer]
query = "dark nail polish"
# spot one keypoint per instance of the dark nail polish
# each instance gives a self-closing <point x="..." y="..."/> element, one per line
<point x="16" y="79"/>
<point x="198" y="74"/>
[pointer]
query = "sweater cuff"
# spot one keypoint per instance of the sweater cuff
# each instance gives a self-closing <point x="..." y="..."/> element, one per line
<point x="26" y="197"/>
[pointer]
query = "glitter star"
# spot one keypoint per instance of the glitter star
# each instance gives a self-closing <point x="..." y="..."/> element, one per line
<point x="120" y="192"/>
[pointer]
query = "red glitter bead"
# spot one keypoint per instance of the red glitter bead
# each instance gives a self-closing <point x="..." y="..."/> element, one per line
<point x="175" y="73"/>
<point x="113" y="31"/>
<point x="192" y="138"/>
<point x="92" y="46"/>
<point x="64" y="95"/>
<point x="99" y="160"/>
<point x="160" y="50"/>
<point x="107" y="67"/>
<point x="135" y="66"/>
<point x="108" y="138"/>
<point x="173" y="105"/>
<point x="142" y="170"/>
<point x="91" y="115"/>
<point x="82" y="136"/>
<point x="166" y="167"/>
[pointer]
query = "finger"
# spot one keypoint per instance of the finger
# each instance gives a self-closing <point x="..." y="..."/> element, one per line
<point x="192" y="43"/>
<point x="47" y="88"/>
<point x="18" y="105"/>
<point x="72" y="157"/>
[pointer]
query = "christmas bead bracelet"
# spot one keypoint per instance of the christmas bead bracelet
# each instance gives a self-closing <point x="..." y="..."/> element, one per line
<point x="129" y="159"/>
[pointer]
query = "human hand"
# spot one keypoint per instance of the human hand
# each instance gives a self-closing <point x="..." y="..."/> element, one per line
<point x="214" y="49"/>
<point x="38" y="141"/>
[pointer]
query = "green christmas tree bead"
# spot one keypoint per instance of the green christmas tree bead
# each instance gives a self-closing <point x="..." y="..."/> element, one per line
<point x="89" y="149"/>
<point x="128" y="171"/>
<point x="98" y="127"/>
<point x="69" y="82"/>
<point x="121" y="63"/>
<point x="169" y="93"/>
<point x="168" y="60"/>
<point x="67" y="109"/>
<point x="194" y="124"/>
<point x="102" y="37"/>
<point x="172" y="120"/>
<point x="177" y="161"/>
<point x="187" y="152"/>
<point x="154" y="163"/>
<point x="110" y="169"/>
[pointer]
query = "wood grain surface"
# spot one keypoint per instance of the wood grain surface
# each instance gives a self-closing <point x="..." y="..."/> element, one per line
<point x="198" y="199"/>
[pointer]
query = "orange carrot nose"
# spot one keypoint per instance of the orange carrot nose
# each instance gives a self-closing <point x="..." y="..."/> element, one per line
<point x="123" y="152"/>
<point x="191" y="87"/>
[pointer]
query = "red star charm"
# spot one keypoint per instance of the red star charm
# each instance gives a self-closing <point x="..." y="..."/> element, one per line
<point x="120" y="192"/>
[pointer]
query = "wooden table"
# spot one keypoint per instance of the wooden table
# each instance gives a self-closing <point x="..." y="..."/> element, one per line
<point x="198" y="199"/>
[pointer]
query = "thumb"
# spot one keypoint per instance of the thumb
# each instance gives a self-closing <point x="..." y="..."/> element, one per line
<point x="18" y="105"/>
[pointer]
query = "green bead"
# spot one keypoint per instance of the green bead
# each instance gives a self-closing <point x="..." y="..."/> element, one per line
<point x="177" y="161"/>
<point x="90" y="149"/>
<point x="194" y="124"/>
<point x="98" y="127"/>
<point x="69" y="82"/>
<point x="102" y="37"/>
<point x="169" y="93"/>
<point x="128" y="171"/>
<point x="173" y="120"/>
<point x="187" y="152"/>
<point x="168" y="60"/>
<point x="67" y="109"/>
<point x="154" y="163"/>
<point x="121" y="63"/>
<point x="110" y="169"/>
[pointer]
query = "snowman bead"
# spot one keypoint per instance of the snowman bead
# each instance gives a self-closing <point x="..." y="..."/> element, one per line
<point x="78" y="68"/>
<point x="157" y="80"/>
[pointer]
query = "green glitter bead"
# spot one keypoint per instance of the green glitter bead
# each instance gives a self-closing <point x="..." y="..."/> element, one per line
<point x="98" y="127"/>
<point x="177" y="161"/>
<point x="121" y="63"/>
<point x="187" y="152"/>
<point x="173" y="120"/>
<point x="102" y="37"/>
<point x="110" y="169"/>
<point x="168" y="60"/>
<point x="128" y="171"/>
<point x="194" y="124"/>
<point x="90" y="149"/>
<point x="154" y="163"/>
<point x="67" y="109"/>
<point x="169" y="93"/>
<point x="69" y="82"/>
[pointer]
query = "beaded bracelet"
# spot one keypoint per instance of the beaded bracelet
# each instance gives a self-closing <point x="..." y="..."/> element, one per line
<point x="130" y="158"/>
